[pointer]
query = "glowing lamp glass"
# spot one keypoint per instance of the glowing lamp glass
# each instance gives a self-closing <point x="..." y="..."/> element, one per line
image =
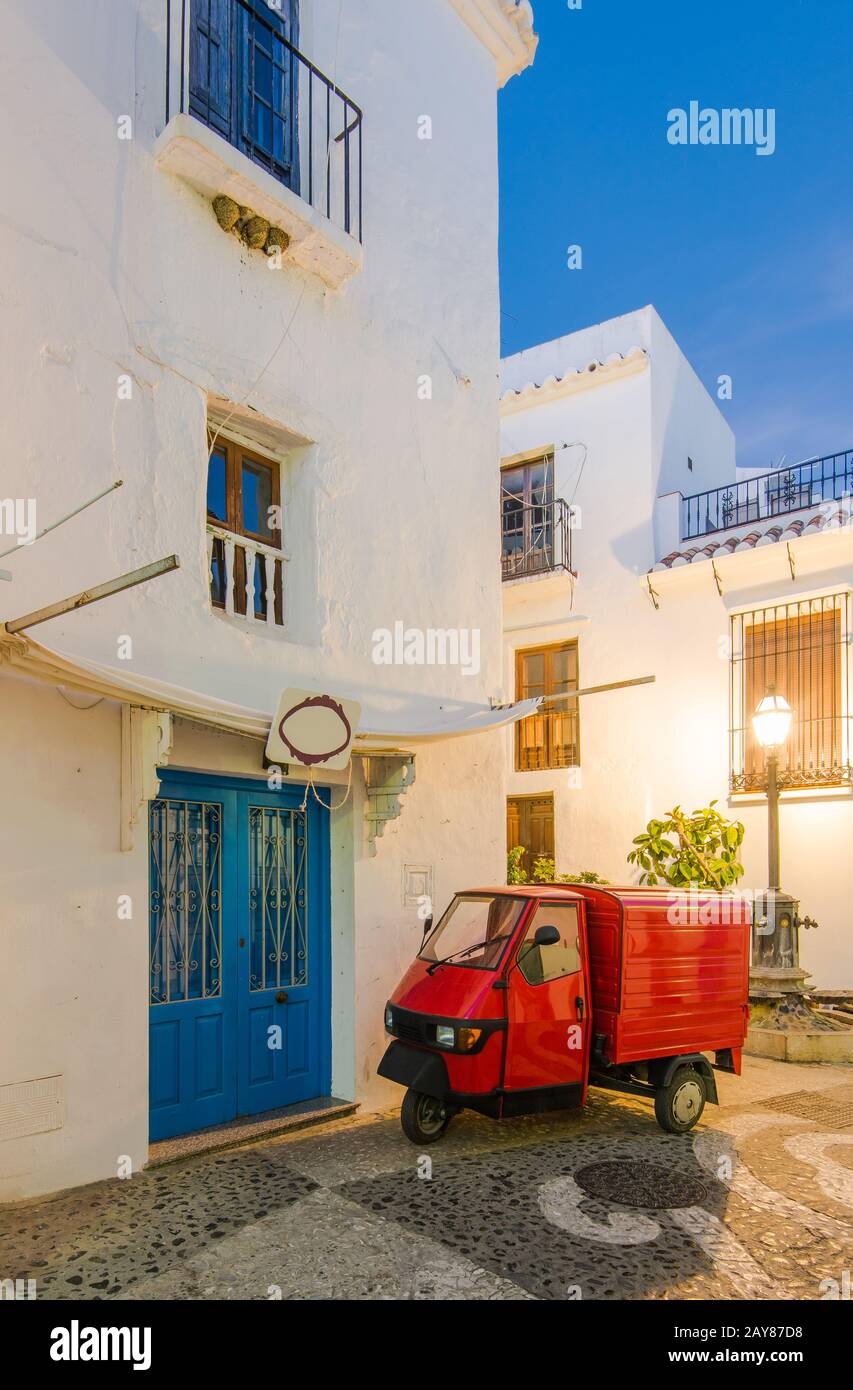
<point x="772" y="721"/>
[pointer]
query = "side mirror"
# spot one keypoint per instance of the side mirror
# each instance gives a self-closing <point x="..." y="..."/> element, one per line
<point x="546" y="936"/>
<point x="427" y="928"/>
<point x="543" y="936"/>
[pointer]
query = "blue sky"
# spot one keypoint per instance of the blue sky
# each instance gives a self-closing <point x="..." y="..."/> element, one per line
<point x="747" y="258"/>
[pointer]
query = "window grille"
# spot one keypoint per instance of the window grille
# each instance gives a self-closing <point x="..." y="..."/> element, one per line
<point x="803" y="650"/>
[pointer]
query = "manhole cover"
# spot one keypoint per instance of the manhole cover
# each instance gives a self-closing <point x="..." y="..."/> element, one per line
<point x="812" y="1105"/>
<point x="638" y="1184"/>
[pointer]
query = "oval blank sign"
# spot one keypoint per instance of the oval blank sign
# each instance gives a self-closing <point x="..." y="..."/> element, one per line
<point x="314" y="730"/>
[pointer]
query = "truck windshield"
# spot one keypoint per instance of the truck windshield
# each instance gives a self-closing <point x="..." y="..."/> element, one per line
<point x="478" y="925"/>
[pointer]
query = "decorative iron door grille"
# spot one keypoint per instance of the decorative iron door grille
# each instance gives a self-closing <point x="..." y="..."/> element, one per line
<point x="186" y="892"/>
<point x="278" y="898"/>
<point x="803" y="650"/>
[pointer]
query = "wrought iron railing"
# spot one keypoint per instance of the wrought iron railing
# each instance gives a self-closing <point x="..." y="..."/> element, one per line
<point x="278" y="107"/>
<point x="535" y="538"/>
<point x="801" y="650"/>
<point x="805" y="484"/>
<point x="185" y="876"/>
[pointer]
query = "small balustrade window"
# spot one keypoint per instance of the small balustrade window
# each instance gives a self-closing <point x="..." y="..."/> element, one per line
<point x="244" y="533"/>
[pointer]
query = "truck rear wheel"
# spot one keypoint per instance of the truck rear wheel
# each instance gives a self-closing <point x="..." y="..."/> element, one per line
<point x="679" y="1104"/>
<point x="424" y="1119"/>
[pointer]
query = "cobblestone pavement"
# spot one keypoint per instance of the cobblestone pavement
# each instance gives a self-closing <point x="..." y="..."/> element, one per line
<point x="494" y="1211"/>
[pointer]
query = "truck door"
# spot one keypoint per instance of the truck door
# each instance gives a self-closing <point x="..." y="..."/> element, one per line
<point x="549" y="1011"/>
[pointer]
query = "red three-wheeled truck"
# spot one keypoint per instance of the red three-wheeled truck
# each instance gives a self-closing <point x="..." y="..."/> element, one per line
<point x="521" y="997"/>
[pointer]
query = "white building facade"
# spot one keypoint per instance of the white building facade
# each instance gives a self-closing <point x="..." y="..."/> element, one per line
<point x="633" y="547"/>
<point x="296" y="388"/>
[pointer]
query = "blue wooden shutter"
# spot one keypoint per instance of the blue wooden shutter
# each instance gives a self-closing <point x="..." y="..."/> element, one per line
<point x="268" y="83"/>
<point x="211" y="48"/>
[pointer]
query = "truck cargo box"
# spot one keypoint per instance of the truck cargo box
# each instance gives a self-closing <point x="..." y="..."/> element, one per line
<point x="669" y="971"/>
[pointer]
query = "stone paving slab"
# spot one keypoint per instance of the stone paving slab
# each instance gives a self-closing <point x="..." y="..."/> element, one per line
<point x="520" y="1213"/>
<point x="98" y="1241"/>
<point x="492" y="1212"/>
<point x="330" y="1248"/>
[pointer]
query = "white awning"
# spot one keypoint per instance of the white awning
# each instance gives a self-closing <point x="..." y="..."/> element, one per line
<point x="388" y="720"/>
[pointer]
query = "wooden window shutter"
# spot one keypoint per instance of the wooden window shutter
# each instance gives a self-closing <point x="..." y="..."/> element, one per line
<point x="211" y="59"/>
<point x="550" y="737"/>
<point x="530" y="822"/>
<point x="801" y="656"/>
<point x="513" y="825"/>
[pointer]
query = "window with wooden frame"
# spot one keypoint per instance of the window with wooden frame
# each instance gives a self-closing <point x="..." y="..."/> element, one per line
<point x="527" y="517"/>
<point x="244" y="533"/>
<point x="803" y="650"/>
<point x="550" y="737"/>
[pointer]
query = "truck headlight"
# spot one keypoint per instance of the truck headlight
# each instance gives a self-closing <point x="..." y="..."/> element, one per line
<point x="445" y="1036"/>
<point x="389" y="1018"/>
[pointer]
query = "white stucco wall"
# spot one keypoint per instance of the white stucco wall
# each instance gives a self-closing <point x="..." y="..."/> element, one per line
<point x="115" y="267"/>
<point x="647" y="748"/>
<point x="453" y="821"/>
<point x="686" y="422"/>
<point x="72" y="997"/>
<point x="120" y="267"/>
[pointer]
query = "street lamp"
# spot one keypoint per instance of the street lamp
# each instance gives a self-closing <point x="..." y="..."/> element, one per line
<point x="775" y="946"/>
<point x="772" y="724"/>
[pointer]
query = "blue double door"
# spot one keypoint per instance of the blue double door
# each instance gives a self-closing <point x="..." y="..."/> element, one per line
<point x="239" y="943"/>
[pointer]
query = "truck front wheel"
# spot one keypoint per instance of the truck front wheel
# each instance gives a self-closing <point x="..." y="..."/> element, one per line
<point x="424" y="1119"/>
<point x="679" y="1104"/>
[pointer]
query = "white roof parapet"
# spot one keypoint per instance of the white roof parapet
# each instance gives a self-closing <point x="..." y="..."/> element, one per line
<point x="594" y="373"/>
<point x="506" y="29"/>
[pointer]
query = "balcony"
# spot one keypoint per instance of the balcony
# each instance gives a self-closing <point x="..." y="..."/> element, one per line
<point x="536" y="538"/>
<point x="250" y="117"/>
<point x="808" y="484"/>
<point x="246" y="578"/>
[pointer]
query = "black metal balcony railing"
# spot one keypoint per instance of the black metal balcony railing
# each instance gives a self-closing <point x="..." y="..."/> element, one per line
<point x="254" y="87"/>
<point x="535" y="538"/>
<point x="806" y="484"/>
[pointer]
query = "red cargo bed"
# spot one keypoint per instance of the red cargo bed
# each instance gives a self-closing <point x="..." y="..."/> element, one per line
<point x="669" y="971"/>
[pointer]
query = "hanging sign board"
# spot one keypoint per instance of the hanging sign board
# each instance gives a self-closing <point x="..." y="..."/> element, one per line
<point x="313" y="730"/>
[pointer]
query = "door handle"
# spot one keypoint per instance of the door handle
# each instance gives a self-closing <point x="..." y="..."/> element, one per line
<point x="579" y="1006"/>
<point x="281" y="997"/>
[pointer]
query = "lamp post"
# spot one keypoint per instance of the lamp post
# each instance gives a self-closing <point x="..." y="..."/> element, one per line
<point x="775" y="969"/>
<point x="772" y="724"/>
